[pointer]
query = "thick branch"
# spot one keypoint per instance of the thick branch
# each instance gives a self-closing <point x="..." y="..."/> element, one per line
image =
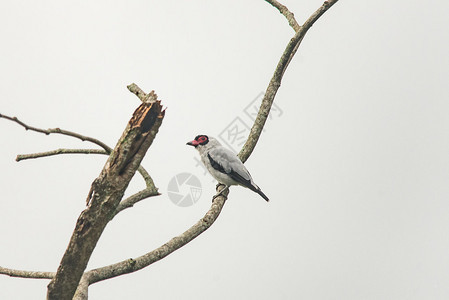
<point x="82" y="290"/>
<point x="132" y="265"/>
<point x="105" y="199"/>
<point x="275" y="81"/>
<point x="105" y="195"/>
<point x="150" y="191"/>
<point x="27" y="274"/>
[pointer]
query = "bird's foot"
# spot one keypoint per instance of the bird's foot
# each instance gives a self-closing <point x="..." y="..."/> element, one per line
<point x="219" y="193"/>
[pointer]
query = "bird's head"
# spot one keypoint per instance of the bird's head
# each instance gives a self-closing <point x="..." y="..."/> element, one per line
<point x="199" y="140"/>
<point x="203" y="142"/>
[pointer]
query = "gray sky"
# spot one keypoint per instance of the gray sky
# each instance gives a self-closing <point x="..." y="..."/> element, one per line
<point x="356" y="164"/>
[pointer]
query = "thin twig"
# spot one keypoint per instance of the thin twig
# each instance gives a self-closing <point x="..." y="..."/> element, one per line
<point x="139" y="196"/>
<point x="148" y="180"/>
<point x="107" y="150"/>
<point x="58" y="131"/>
<point x="27" y="274"/>
<point x="59" y="151"/>
<point x="287" y="14"/>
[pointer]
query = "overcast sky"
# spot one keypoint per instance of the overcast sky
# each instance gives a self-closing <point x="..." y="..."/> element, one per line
<point x="354" y="159"/>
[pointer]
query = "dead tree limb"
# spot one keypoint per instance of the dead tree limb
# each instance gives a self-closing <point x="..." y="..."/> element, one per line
<point x="107" y="190"/>
<point x="58" y="131"/>
<point x="105" y="195"/>
<point x="27" y="274"/>
<point x="132" y="265"/>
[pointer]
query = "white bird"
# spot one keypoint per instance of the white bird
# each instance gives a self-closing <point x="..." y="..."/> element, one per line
<point x="223" y="164"/>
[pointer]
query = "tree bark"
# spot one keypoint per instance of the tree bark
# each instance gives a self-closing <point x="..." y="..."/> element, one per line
<point x="105" y="195"/>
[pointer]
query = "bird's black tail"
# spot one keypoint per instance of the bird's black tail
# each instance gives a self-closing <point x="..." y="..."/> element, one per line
<point x="262" y="195"/>
<point x="257" y="189"/>
<point x="248" y="183"/>
<point x="253" y="187"/>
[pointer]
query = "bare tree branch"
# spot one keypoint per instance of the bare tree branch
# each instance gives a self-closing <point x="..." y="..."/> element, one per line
<point x="82" y="290"/>
<point x="105" y="195"/>
<point x="148" y="180"/>
<point x="59" y="151"/>
<point x="27" y="274"/>
<point x="132" y="265"/>
<point x="275" y="81"/>
<point x="136" y="90"/>
<point x="287" y="14"/>
<point x="107" y="150"/>
<point x="150" y="191"/>
<point x="318" y="13"/>
<point x="139" y="196"/>
<point x="58" y="131"/>
<point x="122" y="164"/>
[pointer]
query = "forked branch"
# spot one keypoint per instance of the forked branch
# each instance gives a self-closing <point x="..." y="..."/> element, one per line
<point x="275" y="81"/>
<point x="107" y="150"/>
<point x="122" y="164"/>
<point x="132" y="265"/>
<point x="58" y="131"/>
<point x="105" y="195"/>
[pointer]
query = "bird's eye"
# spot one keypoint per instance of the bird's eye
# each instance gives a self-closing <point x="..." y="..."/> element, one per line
<point x="202" y="139"/>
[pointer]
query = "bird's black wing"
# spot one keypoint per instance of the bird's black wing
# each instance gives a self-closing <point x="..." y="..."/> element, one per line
<point x="216" y="165"/>
<point x="227" y="162"/>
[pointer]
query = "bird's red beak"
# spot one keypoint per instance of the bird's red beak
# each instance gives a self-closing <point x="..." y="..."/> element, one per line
<point x="193" y="143"/>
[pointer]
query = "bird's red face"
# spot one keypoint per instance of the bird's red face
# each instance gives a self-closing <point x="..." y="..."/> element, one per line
<point x="199" y="140"/>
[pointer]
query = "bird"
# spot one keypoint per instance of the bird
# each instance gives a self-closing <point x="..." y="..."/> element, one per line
<point x="223" y="164"/>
